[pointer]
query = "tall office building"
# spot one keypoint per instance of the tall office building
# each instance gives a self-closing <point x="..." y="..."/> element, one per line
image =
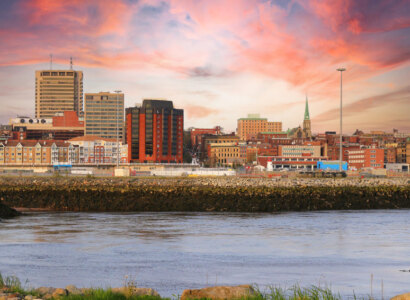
<point x="58" y="91"/>
<point x="103" y="114"/>
<point x="154" y="132"/>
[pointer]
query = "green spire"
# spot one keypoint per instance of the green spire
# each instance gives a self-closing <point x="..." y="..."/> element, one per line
<point x="307" y="117"/>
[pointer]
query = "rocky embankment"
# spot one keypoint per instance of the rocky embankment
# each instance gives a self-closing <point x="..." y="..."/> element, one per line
<point x="234" y="194"/>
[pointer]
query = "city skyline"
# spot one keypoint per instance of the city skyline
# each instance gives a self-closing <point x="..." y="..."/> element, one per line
<point x="219" y="60"/>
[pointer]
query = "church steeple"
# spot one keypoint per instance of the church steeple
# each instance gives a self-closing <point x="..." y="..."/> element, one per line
<point x="307" y="117"/>
<point x="307" y="127"/>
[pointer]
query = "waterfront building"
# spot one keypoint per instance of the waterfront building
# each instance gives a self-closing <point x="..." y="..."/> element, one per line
<point x="57" y="91"/>
<point x="291" y="163"/>
<point x="62" y="126"/>
<point x="97" y="150"/>
<point x="398" y="167"/>
<point x="299" y="150"/>
<point x="252" y="125"/>
<point x="34" y="153"/>
<point x="366" y="158"/>
<point x="104" y="114"/>
<point x="209" y="139"/>
<point x="226" y="154"/>
<point x="154" y="132"/>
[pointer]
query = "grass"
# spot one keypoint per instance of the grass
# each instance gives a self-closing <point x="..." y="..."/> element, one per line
<point x="108" y="294"/>
<point x="273" y="293"/>
<point x="13" y="284"/>
<point x="301" y="293"/>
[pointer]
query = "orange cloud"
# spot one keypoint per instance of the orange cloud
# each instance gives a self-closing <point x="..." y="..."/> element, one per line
<point x="199" y="111"/>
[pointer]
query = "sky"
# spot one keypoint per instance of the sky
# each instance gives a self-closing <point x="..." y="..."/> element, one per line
<point x="220" y="60"/>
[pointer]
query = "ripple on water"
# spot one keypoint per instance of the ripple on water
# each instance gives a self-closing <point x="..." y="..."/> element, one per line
<point x="174" y="251"/>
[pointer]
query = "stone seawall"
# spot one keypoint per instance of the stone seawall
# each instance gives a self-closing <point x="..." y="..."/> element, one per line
<point x="202" y="194"/>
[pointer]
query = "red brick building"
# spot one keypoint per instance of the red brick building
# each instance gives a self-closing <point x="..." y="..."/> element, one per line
<point x="390" y="155"/>
<point x="154" y="132"/>
<point x="198" y="133"/>
<point x="67" y="119"/>
<point x="265" y="137"/>
<point x="333" y="152"/>
<point x="280" y="141"/>
<point x="366" y="158"/>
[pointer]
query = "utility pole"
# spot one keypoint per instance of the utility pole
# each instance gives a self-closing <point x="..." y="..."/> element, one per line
<point x="341" y="70"/>
<point x="118" y="143"/>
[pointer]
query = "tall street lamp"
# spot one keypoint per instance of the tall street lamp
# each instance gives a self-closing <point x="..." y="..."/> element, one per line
<point x="341" y="140"/>
<point x="118" y="143"/>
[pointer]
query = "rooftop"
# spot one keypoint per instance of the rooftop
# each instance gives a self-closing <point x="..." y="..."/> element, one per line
<point x="274" y="132"/>
<point x="252" y="119"/>
<point x="90" y="138"/>
<point x="157" y="104"/>
<point x="33" y="143"/>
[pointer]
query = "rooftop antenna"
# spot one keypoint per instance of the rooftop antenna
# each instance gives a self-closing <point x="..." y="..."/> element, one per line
<point x="51" y="61"/>
<point x="71" y="63"/>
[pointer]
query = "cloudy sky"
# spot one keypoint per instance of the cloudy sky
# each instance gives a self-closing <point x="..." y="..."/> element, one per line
<point x="220" y="59"/>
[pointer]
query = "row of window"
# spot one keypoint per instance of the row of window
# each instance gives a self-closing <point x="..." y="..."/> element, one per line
<point x="57" y="73"/>
<point x="295" y="159"/>
<point x="103" y="99"/>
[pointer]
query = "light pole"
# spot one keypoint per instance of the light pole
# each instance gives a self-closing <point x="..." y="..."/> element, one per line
<point x="118" y="144"/>
<point x="341" y="140"/>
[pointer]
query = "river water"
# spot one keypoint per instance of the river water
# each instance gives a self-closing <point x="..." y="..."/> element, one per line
<point x="174" y="251"/>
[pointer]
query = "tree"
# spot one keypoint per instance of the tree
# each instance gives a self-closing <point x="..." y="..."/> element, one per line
<point x="187" y="147"/>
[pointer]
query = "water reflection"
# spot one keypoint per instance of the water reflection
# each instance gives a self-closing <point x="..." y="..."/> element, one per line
<point x="174" y="251"/>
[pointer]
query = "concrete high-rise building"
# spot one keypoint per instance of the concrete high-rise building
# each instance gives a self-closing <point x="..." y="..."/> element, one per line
<point x="252" y="125"/>
<point x="154" y="132"/>
<point x="58" y="91"/>
<point x="103" y="112"/>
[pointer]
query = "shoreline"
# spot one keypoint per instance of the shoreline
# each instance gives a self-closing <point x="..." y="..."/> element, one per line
<point x="202" y="194"/>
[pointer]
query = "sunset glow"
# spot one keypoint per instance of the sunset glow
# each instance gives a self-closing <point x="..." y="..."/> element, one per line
<point x="220" y="59"/>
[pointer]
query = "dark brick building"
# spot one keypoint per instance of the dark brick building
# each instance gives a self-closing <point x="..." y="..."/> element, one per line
<point x="154" y="132"/>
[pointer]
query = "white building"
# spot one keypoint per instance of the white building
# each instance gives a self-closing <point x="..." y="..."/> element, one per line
<point x="97" y="150"/>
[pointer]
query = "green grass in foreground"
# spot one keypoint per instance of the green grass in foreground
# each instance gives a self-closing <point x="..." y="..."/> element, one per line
<point x="107" y="294"/>
<point x="273" y="293"/>
<point x="12" y="283"/>
<point x="295" y="292"/>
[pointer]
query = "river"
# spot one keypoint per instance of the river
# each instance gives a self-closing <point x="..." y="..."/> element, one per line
<point x="174" y="251"/>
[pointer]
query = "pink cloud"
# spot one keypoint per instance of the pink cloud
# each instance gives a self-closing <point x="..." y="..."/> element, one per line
<point x="363" y="111"/>
<point x="300" y="44"/>
<point x="199" y="111"/>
